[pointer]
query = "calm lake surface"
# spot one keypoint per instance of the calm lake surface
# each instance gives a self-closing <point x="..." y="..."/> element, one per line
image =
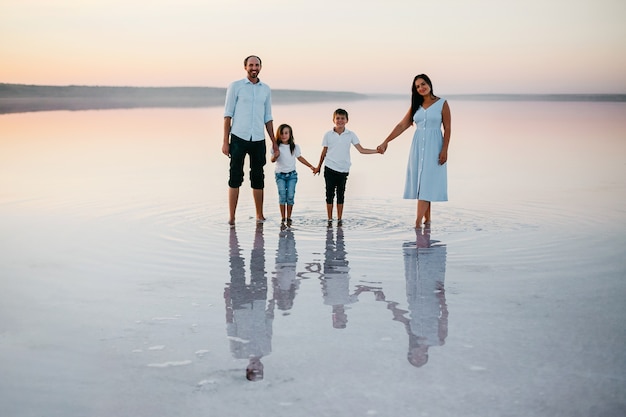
<point x="121" y="284"/>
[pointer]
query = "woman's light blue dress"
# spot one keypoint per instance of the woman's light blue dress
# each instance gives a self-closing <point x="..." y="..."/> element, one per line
<point x="425" y="178"/>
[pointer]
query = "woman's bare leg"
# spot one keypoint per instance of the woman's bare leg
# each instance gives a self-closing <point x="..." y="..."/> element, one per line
<point x="422" y="208"/>
<point x="427" y="215"/>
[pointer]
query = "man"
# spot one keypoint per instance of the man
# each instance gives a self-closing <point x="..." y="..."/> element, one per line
<point x="247" y="111"/>
<point x="249" y="315"/>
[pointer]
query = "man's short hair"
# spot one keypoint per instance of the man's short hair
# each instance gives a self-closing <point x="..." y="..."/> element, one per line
<point x="245" y="61"/>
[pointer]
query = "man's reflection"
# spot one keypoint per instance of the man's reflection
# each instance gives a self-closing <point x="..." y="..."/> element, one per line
<point x="285" y="282"/>
<point x="424" y="271"/>
<point x="249" y="316"/>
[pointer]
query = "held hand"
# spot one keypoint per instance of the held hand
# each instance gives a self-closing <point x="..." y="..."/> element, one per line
<point x="316" y="171"/>
<point x="382" y="148"/>
<point x="443" y="156"/>
<point x="226" y="149"/>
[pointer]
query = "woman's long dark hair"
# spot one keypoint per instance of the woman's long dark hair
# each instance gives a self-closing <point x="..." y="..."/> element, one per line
<point x="292" y="144"/>
<point x="416" y="99"/>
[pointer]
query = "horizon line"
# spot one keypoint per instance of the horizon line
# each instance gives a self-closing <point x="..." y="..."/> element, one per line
<point x="543" y="94"/>
<point x="25" y="98"/>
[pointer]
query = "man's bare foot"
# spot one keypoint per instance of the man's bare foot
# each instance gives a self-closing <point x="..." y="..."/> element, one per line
<point x="260" y="219"/>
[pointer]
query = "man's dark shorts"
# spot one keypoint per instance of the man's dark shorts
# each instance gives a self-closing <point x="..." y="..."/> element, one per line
<point x="239" y="148"/>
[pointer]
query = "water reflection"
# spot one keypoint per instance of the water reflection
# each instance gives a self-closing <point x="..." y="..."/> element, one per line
<point x="249" y="316"/>
<point x="285" y="283"/>
<point x="424" y="271"/>
<point x="335" y="279"/>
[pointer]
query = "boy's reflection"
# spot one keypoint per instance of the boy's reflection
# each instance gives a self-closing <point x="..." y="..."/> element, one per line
<point x="424" y="270"/>
<point x="285" y="282"/>
<point x="336" y="279"/>
<point x="248" y="315"/>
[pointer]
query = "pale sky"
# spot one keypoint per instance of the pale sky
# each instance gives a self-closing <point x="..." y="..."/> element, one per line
<point x="364" y="46"/>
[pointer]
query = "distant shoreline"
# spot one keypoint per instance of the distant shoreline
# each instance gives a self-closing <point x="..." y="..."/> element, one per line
<point x="22" y="98"/>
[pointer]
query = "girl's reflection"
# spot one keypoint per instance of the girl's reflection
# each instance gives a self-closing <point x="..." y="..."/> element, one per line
<point x="249" y="316"/>
<point x="285" y="282"/>
<point x="424" y="270"/>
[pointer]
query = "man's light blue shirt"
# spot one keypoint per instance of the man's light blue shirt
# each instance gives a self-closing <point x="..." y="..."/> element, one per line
<point x="250" y="107"/>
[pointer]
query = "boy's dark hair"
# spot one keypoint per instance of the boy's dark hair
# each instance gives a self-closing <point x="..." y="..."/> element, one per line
<point x="340" y="112"/>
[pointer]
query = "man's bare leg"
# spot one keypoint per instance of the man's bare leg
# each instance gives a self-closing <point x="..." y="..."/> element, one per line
<point x="258" y="204"/>
<point x="329" y="211"/>
<point x="233" y="198"/>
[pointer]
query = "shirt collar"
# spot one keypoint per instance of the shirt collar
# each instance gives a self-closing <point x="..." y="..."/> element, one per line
<point x="250" y="82"/>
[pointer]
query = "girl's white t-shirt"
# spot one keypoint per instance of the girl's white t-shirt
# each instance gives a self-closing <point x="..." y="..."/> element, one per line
<point x="286" y="161"/>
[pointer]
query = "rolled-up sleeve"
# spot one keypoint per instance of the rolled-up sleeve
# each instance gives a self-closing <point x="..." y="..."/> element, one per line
<point x="268" y="107"/>
<point x="231" y="99"/>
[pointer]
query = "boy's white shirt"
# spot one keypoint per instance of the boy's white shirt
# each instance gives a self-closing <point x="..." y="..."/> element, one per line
<point x="338" y="153"/>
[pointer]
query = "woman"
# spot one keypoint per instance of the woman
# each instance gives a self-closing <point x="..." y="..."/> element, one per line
<point x="426" y="178"/>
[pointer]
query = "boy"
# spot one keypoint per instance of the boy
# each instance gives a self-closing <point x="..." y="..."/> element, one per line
<point x="336" y="152"/>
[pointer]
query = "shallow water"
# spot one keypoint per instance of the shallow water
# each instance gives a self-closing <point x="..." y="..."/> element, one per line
<point x="116" y="265"/>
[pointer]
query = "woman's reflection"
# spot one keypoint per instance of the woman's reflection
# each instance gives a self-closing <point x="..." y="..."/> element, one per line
<point x="285" y="283"/>
<point x="249" y="316"/>
<point x="424" y="270"/>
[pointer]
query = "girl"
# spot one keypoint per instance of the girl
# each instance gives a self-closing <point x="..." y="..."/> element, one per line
<point x="285" y="173"/>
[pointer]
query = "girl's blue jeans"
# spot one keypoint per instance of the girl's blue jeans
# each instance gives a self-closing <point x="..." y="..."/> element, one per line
<point x="286" y="184"/>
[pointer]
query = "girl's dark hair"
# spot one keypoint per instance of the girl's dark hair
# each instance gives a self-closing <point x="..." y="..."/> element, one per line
<point x="416" y="99"/>
<point x="292" y="144"/>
